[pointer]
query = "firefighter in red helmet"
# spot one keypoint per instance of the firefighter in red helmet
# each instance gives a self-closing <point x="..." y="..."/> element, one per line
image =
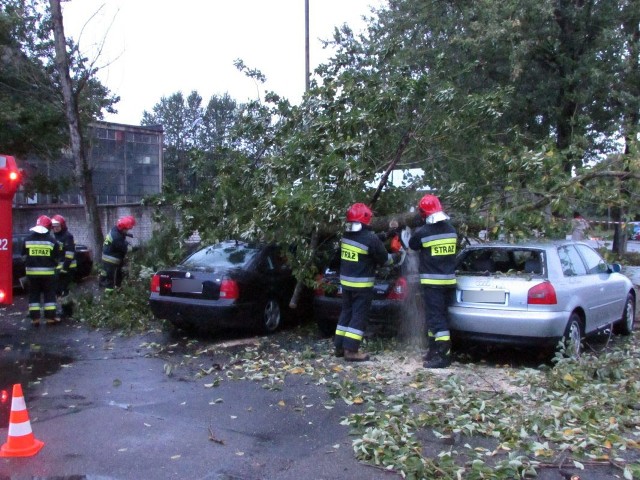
<point x="436" y="241"/>
<point x="41" y="252"/>
<point x="67" y="264"/>
<point x="361" y="251"/>
<point x="114" y="251"/>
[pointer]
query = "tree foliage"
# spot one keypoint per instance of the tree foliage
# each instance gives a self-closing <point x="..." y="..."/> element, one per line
<point x="31" y="121"/>
<point x="195" y="137"/>
<point x="517" y="112"/>
<point x="32" y="114"/>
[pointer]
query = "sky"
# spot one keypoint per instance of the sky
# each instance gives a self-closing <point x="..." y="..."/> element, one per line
<point x="149" y="49"/>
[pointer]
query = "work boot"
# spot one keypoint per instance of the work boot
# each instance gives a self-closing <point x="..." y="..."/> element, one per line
<point x="431" y="349"/>
<point x="53" y="321"/>
<point x="355" y="356"/>
<point x="338" y="352"/>
<point x="35" y="322"/>
<point x="442" y="356"/>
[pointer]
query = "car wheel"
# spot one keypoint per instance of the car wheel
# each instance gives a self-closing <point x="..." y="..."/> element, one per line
<point x="573" y="335"/>
<point x="271" y="316"/>
<point x="624" y="326"/>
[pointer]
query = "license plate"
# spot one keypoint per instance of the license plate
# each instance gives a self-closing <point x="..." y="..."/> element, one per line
<point x="484" y="296"/>
<point x="183" y="285"/>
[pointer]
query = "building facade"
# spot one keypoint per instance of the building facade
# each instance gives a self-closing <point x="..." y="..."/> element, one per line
<point x="126" y="161"/>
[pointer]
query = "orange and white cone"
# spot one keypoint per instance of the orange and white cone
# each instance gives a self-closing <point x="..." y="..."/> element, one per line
<point x="20" y="440"/>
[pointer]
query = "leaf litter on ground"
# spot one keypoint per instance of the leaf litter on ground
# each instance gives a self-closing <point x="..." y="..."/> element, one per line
<point x="472" y="420"/>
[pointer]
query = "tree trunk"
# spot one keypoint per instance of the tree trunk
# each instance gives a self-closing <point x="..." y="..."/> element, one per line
<point x="293" y="303"/>
<point x="83" y="171"/>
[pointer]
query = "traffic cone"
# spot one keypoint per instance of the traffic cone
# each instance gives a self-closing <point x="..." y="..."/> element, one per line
<point x="20" y="440"/>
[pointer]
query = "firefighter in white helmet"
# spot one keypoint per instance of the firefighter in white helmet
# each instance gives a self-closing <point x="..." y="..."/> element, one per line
<point x="361" y="251"/>
<point x="41" y="252"/>
<point x="67" y="265"/>
<point x="436" y="241"/>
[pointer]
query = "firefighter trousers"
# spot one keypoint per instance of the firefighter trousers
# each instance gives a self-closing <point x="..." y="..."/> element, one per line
<point x="436" y="305"/>
<point x="110" y="276"/>
<point x="42" y="296"/>
<point x="354" y="318"/>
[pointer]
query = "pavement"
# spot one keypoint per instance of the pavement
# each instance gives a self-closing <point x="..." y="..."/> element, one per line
<point x="107" y="409"/>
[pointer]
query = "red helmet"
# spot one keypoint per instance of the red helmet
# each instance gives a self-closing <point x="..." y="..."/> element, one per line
<point x="60" y="219"/>
<point x="428" y="205"/>
<point x="359" y="212"/>
<point x="43" y="221"/>
<point x="126" y="223"/>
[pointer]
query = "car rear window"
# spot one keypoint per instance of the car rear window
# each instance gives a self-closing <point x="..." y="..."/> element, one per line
<point x="488" y="260"/>
<point x="227" y="256"/>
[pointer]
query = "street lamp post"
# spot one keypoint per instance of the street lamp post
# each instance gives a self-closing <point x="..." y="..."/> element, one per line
<point x="306" y="46"/>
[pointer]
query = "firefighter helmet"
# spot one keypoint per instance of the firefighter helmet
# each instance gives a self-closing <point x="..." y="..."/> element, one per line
<point x="43" y="224"/>
<point x="59" y="220"/>
<point x="43" y="221"/>
<point x="359" y="212"/>
<point x="431" y="209"/>
<point x="428" y="205"/>
<point x="126" y="223"/>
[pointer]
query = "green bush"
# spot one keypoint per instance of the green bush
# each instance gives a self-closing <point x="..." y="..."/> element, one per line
<point x="127" y="307"/>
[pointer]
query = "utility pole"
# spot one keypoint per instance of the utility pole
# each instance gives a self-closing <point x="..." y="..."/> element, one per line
<point x="307" y="74"/>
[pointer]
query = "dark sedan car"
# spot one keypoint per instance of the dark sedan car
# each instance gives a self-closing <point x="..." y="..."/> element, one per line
<point x="84" y="259"/>
<point x="231" y="284"/>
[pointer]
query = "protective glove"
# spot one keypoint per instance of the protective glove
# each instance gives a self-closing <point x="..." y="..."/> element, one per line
<point x="396" y="245"/>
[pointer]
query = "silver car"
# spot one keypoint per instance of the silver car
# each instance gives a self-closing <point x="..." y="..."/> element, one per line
<point x="536" y="294"/>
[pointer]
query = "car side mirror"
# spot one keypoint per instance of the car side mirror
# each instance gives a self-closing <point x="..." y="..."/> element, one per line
<point x="615" y="268"/>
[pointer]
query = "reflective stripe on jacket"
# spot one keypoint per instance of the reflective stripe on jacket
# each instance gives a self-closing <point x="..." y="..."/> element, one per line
<point x="68" y="247"/>
<point x="437" y="245"/>
<point x="360" y="253"/>
<point x="41" y="252"/>
<point x="114" y="248"/>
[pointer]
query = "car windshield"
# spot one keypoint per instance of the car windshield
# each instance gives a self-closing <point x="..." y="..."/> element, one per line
<point x="222" y="255"/>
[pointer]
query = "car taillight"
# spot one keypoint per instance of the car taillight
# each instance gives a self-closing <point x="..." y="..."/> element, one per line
<point x="4" y="396"/>
<point x="161" y="283"/>
<point x="542" y="294"/>
<point x="229" y="289"/>
<point x="399" y="290"/>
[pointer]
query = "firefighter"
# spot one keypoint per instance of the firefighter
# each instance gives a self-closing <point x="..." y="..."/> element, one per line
<point x="67" y="264"/>
<point x="114" y="251"/>
<point x="41" y="252"/>
<point x="361" y="251"/>
<point x="436" y="242"/>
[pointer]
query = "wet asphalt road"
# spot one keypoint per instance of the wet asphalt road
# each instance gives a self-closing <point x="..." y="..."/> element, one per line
<point x="106" y="410"/>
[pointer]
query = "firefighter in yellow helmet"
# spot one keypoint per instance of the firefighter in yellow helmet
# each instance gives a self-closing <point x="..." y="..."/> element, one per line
<point x="436" y="241"/>
<point x="361" y="251"/>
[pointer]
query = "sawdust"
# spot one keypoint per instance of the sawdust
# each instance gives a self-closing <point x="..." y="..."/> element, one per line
<point x="407" y="372"/>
